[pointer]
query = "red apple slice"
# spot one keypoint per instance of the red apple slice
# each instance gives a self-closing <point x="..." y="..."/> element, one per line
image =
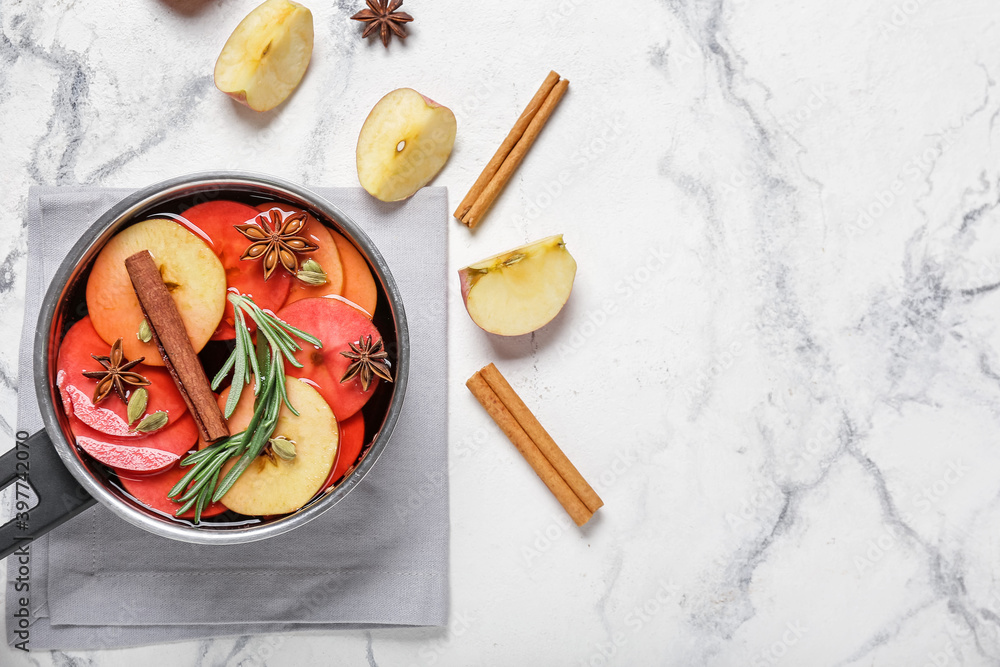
<point x="326" y="255"/>
<point x="152" y="490"/>
<point x="352" y="437"/>
<point x="336" y="324"/>
<point x="216" y="220"/>
<point x="110" y="416"/>
<point x="359" y="285"/>
<point x="127" y="457"/>
<point x="175" y="438"/>
<point x="100" y="419"/>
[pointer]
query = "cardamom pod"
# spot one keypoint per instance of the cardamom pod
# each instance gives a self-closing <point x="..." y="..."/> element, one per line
<point x="283" y="448"/>
<point x="153" y="422"/>
<point x="311" y="273"/>
<point x="137" y="404"/>
<point x="145" y="334"/>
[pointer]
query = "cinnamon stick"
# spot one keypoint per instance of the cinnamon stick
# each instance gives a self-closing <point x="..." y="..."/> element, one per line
<point x="529" y="450"/>
<point x="175" y="346"/>
<point x="508" y="143"/>
<point x="541" y="438"/>
<point x="516" y="155"/>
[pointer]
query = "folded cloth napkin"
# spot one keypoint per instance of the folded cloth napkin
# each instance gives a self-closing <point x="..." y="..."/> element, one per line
<point x="379" y="558"/>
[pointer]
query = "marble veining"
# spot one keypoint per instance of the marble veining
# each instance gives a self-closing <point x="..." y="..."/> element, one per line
<point x="781" y="363"/>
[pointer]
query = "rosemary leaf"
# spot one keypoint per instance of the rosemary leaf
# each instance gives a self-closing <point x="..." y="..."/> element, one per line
<point x="245" y="342"/>
<point x="251" y="353"/>
<point x="224" y="371"/>
<point x="263" y="359"/>
<point x="239" y="375"/>
<point x="185" y="507"/>
<point x="276" y="335"/>
<point x="307" y="337"/>
<point x="204" y="498"/>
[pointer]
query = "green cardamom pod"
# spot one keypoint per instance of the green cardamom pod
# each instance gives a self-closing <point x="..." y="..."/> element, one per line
<point x="311" y="273"/>
<point x="137" y="404"/>
<point x="153" y="422"/>
<point x="283" y="448"/>
<point x="145" y="333"/>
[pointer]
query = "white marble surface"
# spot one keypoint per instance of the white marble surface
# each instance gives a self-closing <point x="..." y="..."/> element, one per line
<point x="781" y="363"/>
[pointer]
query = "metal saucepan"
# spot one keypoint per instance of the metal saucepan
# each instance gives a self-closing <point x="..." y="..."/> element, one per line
<point x="68" y="482"/>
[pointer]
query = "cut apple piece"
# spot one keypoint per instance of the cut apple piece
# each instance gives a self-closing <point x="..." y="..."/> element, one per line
<point x="77" y="390"/>
<point x="352" y="439"/>
<point x="336" y="324"/>
<point x="267" y="55"/>
<point x="272" y="485"/>
<point x="519" y="291"/>
<point x="152" y="490"/>
<point x="326" y="255"/>
<point x="403" y="144"/>
<point x="191" y="271"/>
<point x="126" y="457"/>
<point x="217" y="220"/>
<point x="359" y="284"/>
<point x="99" y="419"/>
<point x="177" y="437"/>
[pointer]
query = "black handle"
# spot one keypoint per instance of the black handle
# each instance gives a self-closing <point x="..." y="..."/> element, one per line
<point x="34" y="460"/>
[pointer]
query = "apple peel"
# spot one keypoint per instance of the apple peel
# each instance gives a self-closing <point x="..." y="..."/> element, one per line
<point x="99" y="419"/>
<point x="125" y="457"/>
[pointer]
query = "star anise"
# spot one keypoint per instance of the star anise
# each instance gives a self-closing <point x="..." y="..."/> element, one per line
<point x="117" y="374"/>
<point x="367" y="360"/>
<point x="382" y="14"/>
<point x="277" y="242"/>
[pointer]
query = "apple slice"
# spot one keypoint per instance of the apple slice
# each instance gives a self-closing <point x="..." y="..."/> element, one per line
<point x="102" y="420"/>
<point x="126" y="457"/>
<point x="403" y="144"/>
<point x="177" y="437"/>
<point x="272" y="485"/>
<point x="152" y="490"/>
<point x="336" y="324"/>
<point x="326" y="255"/>
<point x="352" y="438"/>
<point x="267" y="55"/>
<point x="519" y="291"/>
<point x="110" y="417"/>
<point x="192" y="272"/>
<point x="359" y="284"/>
<point x="217" y="220"/>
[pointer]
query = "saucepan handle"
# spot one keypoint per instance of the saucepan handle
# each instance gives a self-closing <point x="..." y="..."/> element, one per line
<point x="34" y="461"/>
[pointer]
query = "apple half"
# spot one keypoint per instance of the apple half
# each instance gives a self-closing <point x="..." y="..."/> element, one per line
<point x="267" y="55"/>
<point x="403" y="144"/>
<point x="519" y="291"/>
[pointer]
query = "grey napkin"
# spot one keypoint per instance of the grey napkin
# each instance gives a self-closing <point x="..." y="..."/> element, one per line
<point x="379" y="558"/>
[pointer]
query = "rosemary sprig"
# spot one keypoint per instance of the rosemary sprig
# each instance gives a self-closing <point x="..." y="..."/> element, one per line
<point x="265" y="362"/>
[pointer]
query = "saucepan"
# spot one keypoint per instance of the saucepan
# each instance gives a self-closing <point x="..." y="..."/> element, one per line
<point x="66" y="481"/>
